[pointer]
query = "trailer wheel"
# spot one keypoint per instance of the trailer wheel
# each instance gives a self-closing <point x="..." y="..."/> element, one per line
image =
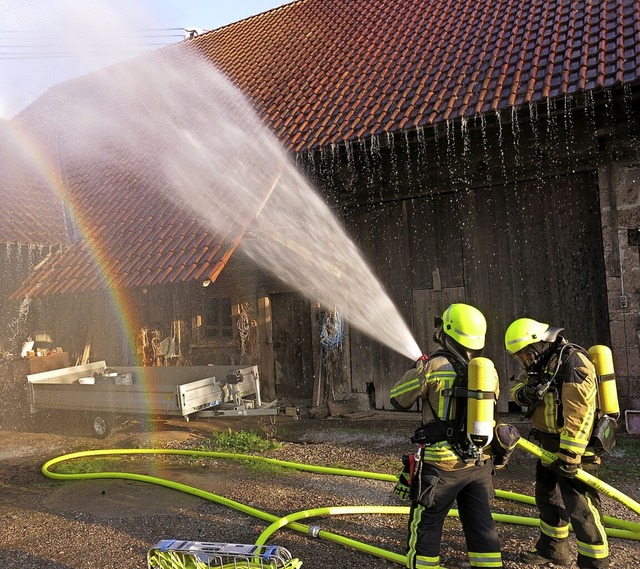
<point x="268" y="426"/>
<point x="101" y="426"/>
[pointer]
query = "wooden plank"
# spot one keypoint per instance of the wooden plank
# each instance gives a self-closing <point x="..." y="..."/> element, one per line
<point x="485" y="280"/>
<point x="86" y="352"/>
<point x="292" y="346"/>
<point x="429" y="304"/>
<point x="318" y="393"/>
<point x="435" y="241"/>
<point x="499" y="294"/>
<point x="543" y="234"/>
<point x="421" y="241"/>
<point x="265" y="342"/>
<point x="382" y="237"/>
<point x="451" y="213"/>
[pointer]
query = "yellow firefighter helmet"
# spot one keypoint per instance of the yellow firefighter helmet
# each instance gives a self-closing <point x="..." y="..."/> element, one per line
<point x="526" y="331"/>
<point x="466" y="325"/>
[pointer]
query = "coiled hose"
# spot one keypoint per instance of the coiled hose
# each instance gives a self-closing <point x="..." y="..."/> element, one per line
<point x="621" y="528"/>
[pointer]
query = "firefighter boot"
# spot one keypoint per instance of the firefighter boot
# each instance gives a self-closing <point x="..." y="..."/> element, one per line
<point x="534" y="558"/>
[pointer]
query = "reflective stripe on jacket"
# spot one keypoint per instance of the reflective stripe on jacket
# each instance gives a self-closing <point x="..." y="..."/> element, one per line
<point x="431" y="380"/>
<point x="569" y="407"/>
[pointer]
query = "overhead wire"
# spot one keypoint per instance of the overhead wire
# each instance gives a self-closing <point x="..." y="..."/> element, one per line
<point x="36" y="44"/>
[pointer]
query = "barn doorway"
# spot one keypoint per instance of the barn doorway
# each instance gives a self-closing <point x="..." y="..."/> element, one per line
<point x="529" y="249"/>
<point x="293" y="359"/>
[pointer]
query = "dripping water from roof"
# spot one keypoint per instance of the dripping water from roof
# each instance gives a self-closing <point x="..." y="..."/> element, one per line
<point x="569" y="130"/>
<point x="590" y="111"/>
<point x="407" y="153"/>
<point x="366" y="162"/>
<point x="349" y="153"/>
<point x="515" y="132"/>
<point x="540" y="153"/>
<point x="466" y="151"/>
<point x="485" y="146"/>
<point x="393" y="162"/>
<point x="553" y="138"/>
<point x="421" y="158"/>
<point x="501" y="145"/>
<point x="451" y="149"/>
<point x="375" y="165"/>
<point x="535" y="134"/>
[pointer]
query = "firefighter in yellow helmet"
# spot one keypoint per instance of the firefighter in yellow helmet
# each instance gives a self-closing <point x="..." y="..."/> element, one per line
<point x="444" y="469"/>
<point x="559" y="387"/>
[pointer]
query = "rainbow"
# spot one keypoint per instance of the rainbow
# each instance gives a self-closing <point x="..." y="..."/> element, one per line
<point x="43" y="164"/>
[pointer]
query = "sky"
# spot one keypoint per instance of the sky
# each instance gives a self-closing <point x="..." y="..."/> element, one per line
<point x="45" y="42"/>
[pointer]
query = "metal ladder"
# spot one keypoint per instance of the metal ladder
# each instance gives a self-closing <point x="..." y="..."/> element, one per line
<point x="179" y="554"/>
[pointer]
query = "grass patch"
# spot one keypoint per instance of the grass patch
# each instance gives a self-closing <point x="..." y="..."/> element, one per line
<point x="624" y="460"/>
<point x="241" y="442"/>
<point x="246" y="442"/>
<point x="267" y="469"/>
<point x="627" y="447"/>
<point x="87" y="465"/>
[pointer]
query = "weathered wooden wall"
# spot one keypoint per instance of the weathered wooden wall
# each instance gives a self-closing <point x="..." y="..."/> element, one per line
<point x="501" y="214"/>
<point x="530" y="250"/>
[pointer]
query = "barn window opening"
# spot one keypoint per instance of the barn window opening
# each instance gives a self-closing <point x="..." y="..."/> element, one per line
<point x="214" y="321"/>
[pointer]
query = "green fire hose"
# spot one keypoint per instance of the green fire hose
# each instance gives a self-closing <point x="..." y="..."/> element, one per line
<point x="585" y="477"/>
<point x="622" y="529"/>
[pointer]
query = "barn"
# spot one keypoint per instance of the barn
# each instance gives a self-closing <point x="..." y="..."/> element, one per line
<point x="484" y="152"/>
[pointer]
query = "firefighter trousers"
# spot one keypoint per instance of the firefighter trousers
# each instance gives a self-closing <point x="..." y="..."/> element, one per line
<point x="561" y="500"/>
<point x="434" y="492"/>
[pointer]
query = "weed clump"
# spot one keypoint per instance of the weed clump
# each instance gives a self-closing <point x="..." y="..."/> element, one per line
<point x="241" y="442"/>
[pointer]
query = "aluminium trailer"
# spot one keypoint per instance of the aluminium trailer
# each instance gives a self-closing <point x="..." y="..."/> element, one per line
<point x="106" y="396"/>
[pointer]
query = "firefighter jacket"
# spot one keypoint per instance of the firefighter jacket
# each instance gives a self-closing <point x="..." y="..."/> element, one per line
<point x="568" y="408"/>
<point x="430" y="381"/>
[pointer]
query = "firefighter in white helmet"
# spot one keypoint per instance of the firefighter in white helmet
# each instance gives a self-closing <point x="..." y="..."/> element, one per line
<point x="447" y="468"/>
<point x="559" y="387"/>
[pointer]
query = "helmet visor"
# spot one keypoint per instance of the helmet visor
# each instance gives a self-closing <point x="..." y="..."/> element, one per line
<point x="526" y="357"/>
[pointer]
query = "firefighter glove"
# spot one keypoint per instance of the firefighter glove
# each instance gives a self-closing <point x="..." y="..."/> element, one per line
<point x="403" y="485"/>
<point x="529" y="395"/>
<point x="562" y="468"/>
<point x="420" y="362"/>
<point x="503" y="444"/>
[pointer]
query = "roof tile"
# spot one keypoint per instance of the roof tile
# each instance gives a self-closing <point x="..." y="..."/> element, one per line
<point x="322" y="72"/>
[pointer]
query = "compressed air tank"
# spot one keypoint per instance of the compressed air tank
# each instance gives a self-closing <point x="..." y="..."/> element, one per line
<point x="481" y="401"/>
<point x="602" y="359"/>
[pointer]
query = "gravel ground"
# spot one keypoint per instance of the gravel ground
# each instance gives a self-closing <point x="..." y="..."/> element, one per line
<point x="108" y="524"/>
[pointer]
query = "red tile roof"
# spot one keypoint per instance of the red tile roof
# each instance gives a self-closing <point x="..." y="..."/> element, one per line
<point x="324" y="71"/>
<point x="321" y="72"/>
<point x="31" y="212"/>
<point x="129" y="235"/>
